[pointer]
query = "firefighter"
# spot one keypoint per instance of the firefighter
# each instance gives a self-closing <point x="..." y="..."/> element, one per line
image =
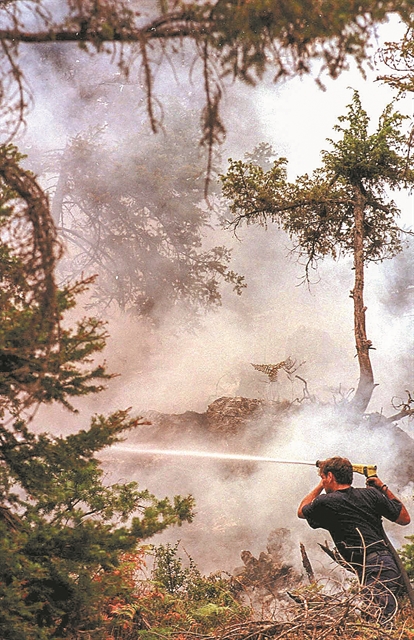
<point x="353" y="517"/>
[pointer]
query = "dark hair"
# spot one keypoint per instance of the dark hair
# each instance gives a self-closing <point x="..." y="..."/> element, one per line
<point x="341" y="469"/>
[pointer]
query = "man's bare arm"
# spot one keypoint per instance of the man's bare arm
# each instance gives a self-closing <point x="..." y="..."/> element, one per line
<point x="404" y="517"/>
<point x="310" y="498"/>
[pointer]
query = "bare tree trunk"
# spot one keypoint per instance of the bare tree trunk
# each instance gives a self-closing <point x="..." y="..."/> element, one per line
<point x="366" y="377"/>
<point x="58" y="198"/>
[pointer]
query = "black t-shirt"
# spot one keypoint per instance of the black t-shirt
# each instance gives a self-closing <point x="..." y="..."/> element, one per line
<point x="353" y="517"/>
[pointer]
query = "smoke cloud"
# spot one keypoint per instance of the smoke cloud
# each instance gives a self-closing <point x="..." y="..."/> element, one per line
<point x="170" y="370"/>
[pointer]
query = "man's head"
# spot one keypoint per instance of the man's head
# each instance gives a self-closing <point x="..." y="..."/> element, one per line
<point x="335" y="471"/>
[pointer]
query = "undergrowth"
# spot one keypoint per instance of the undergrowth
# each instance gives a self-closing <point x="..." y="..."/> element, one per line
<point x="176" y="602"/>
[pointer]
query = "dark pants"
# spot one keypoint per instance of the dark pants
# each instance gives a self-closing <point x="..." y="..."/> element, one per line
<point x="382" y="581"/>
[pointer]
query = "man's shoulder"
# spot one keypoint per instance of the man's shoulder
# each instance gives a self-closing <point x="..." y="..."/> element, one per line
<point x="321" y="511"/>
<point x="364" y="493"/>
<point x="351" y="494"/>
<point x="327" y="499"/>
<point x="339" y="494"/>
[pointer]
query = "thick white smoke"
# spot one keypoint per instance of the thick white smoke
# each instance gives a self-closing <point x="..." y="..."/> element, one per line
<point x="171" y="371"/>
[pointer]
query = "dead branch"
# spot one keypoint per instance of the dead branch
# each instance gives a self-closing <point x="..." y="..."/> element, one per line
<point x="306" y="395"/>
<point x="314" y="615"/>
<point x="335" y="556"/>
<point x="400" y="415"/>
<point x="405" y="408"/>
<point x="307" y="564"/>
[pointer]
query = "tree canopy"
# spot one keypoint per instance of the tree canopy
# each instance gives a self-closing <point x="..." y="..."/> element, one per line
<point x="399" y="58"/>
<point x="342" y="208"/>
<point x="136" y="218"/>
<point x="226" y="38"/>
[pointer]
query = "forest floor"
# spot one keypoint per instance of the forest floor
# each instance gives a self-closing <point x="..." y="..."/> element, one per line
<point x="211" y="609"/>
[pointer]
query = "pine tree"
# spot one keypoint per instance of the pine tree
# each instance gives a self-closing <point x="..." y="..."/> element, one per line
<point x="62" y="527"/>
<point x="342" y="208"/>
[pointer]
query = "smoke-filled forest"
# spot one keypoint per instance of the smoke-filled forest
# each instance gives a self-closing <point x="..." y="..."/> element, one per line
<point x="207" y="287"/>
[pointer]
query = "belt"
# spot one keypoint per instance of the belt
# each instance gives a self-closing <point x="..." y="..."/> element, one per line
<point x="382" y="552"/>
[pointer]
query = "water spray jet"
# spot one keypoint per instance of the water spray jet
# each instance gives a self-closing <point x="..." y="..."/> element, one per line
<point x="367" y="470"/>
<point x="202" y="454"/>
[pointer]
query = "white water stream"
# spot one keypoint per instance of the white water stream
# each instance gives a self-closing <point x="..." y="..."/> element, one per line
<point x="137" y="450"/>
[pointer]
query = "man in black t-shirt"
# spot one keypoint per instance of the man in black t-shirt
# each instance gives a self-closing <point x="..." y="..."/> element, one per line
<point x="353" y="517"/>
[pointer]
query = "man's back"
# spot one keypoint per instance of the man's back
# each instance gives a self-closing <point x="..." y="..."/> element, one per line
<point x="354" y="519"/>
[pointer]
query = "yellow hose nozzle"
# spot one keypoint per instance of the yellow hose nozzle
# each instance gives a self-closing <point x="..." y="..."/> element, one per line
<point x="367" y="470"/>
